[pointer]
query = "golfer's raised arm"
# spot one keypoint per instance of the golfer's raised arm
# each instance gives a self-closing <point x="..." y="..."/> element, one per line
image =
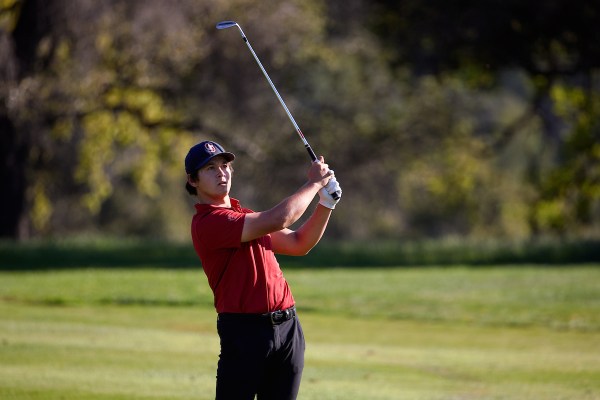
<point x="288" y="211"/>
<point x="303" y="239"/>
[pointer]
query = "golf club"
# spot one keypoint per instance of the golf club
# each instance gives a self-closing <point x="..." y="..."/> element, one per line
<point x="311" y="153"/>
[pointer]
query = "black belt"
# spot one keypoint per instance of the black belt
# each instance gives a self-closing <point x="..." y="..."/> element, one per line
<point x="275" y="317"/>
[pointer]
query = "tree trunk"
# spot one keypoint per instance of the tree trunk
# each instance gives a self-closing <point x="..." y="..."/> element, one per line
<point x="13" y="157"/>
<point x="18" y="55"/>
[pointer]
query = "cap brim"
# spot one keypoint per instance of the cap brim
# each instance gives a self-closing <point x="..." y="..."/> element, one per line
<point x="228" y="156"/>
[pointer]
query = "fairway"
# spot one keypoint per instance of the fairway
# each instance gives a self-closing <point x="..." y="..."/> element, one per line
<point x="387" y="333"/>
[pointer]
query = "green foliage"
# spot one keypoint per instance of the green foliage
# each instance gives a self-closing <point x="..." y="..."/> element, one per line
<point x="432" y="132"/>
<point x="570" y="196"/>
<point x="553" y="43"/>
<point x="9" y="14"/>
<point x="119" y="252"/>
<point x="436" y="36"/>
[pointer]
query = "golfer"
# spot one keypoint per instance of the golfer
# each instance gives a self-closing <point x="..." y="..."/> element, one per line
<point x="262" y="344"/>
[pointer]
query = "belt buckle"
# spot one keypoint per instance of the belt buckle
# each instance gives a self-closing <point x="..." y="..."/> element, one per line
<point x="280" y="316"/>
<point x="274" y="316"/>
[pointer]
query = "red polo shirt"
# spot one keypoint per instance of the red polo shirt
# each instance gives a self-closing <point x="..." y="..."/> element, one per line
<point x="244" y="277"/>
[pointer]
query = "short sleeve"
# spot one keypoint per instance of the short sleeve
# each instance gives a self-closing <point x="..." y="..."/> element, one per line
<point x="221" y="228"/>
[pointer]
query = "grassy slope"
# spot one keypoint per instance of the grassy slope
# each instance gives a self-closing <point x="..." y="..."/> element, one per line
<point x="456" y="333"/>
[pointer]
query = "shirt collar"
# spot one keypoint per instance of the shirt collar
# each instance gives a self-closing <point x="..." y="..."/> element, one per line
<point x="203" y="208"/>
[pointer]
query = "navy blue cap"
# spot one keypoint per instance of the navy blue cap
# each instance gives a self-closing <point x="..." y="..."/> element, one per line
<point x="202" y="153"/>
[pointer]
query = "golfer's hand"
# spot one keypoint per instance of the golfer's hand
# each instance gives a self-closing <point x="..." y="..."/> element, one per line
<point x="325" y="195"/>
<point x="319" y="172"/>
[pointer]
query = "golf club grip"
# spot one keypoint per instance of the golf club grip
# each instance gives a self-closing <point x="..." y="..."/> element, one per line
<point x="313" y="156"/>
<point x="311" y="153"/>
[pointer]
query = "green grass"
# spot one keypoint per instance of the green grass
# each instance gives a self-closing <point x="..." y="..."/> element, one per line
<point x="526" y="332"/>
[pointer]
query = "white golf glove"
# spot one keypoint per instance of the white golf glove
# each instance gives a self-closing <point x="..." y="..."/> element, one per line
<point x="325" y="194"/>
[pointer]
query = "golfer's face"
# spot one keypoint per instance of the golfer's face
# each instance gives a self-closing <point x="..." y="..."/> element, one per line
<point x="215" y="177"/>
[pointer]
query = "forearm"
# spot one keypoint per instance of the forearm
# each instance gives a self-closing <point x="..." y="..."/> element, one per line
<point x="301" y="241"/>
<point x="293" y="207"/>
<point x="281" y="216"/>
<point x="288" y="211"/>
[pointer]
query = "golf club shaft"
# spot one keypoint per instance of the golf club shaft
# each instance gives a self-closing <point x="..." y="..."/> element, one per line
<point x="289" y="114"/>
<point x="311" y="153"/>
<point x="229" y="24"/>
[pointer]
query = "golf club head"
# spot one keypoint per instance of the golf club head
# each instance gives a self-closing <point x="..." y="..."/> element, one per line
<point x="226" y="24"/>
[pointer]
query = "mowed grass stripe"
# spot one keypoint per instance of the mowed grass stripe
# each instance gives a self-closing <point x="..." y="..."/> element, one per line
<point x="88" y="359"/>
<point x="559" y="298"/>
<point x="435" y="333"/>
<point x="441" y="360"/>
<point x="402" y="360"/>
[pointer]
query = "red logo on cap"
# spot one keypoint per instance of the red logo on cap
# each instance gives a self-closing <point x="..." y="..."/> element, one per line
<point x="210" y="147"/>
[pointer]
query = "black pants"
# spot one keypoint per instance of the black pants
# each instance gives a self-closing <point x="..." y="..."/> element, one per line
<point x="259" y="358"/>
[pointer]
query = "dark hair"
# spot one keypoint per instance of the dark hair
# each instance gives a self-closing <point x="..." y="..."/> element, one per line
<point x="190" y="189"/>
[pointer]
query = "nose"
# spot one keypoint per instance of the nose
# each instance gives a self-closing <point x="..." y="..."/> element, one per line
<point x="223" y="170"/>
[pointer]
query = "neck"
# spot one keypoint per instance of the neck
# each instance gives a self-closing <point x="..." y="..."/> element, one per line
<point x="218" y="202"/>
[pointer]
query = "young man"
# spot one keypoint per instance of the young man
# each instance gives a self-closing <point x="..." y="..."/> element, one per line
<point x="262" y="344"/>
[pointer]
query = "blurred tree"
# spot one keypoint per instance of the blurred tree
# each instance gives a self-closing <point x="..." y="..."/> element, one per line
<point x="570" y="194"/>
<point x="64" y="113"/>
<point x="104" y="98"/>
<point x="18" y="117"/>
<point x="556" y="43"/>
<point x="101" y="100"/>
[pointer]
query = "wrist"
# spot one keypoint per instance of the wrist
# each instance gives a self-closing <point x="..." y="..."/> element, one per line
<point x="327" y="206"/>
<point x="313" y="186"/>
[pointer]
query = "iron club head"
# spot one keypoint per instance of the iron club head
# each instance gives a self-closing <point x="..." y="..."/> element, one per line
<point x="230" y="24"/>
<point x="226" y="24"/>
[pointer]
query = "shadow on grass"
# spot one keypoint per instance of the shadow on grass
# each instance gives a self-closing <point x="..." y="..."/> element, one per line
<point x="137" y="253"/>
